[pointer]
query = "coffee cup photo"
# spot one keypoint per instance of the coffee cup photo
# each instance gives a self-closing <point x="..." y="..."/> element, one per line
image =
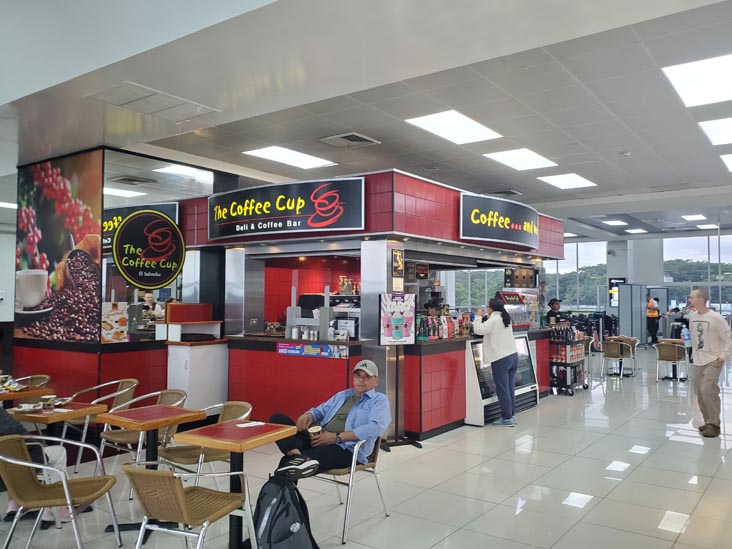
<point x="49" y="402"/>
<point x="315" y="430"/>
<point x="30" y="287"/>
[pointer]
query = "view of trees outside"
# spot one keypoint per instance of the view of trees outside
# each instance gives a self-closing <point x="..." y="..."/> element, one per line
<point x="688" y="262"/>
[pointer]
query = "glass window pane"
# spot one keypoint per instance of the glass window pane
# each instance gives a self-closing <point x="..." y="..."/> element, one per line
<point x="568" y="277"/>
<point x="685" y="259"/>
<point x="477" y="289"/>
<point x="592" y="258"/>
<point x="462" y="298"/>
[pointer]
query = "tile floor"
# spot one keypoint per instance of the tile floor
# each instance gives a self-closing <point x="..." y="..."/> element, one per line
<point x="619" y="465"/>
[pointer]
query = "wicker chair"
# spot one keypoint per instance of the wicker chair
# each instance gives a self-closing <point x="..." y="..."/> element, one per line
<point x="36" y="380"/>
<point x="193" y="455"/>
<point x="19" y="474"/>
<point x="617" y="351"/>
<point x="122" y="391"/>
<point x="163" y="498"/>
<point x="670" y="353"/>
<point x="369" y="467"/>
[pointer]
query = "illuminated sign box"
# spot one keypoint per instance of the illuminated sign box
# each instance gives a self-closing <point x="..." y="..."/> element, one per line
<point x="498" y="220"/>
<point x="309" y="206"/>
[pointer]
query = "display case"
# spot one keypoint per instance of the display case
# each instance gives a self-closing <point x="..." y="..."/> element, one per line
<point x="481" y="401"/>
<point x="516" y="306"/>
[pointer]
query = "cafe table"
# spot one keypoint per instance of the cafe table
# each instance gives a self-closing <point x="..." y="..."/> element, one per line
<point x="70" y="410"/>
<point x="7" y="397"/>
<point x="149" y="419"/>
<point x="237" y="440"/>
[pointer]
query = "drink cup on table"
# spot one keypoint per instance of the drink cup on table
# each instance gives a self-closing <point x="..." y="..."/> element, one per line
<point x="48" y="402"/>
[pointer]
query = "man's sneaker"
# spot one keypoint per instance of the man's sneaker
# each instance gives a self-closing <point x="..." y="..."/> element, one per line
<point x="710" y="430"/>
<point x="504" y="423"/>
<point x="298" y="466"/>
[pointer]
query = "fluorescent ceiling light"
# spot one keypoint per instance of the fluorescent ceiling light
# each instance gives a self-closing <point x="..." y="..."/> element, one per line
<point x="719" y="131"/>
<point x="635" y="231"/>
<point x="569" y="235"/>
<point x="615" y="223"/>
<point x="727" y="159"/>
<point x="694" y="217"/>
<point x="706" y="227"/>
<point x="521" y="159"/>
<point x="567" y="181"/>
<point x="122" y="193"/>
<point x="8" y="205"/>
<point x="702" y="82"/>
<point x="455" y="127"/>
<point x="204" y="176"/>
<point x="290" y="157"/>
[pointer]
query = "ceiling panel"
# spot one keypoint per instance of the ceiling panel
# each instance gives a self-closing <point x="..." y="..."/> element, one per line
<point x="548" y="76"/>
<point x="442" y="78"/>
<point x="389" y="91"/>
<point x="623" y="59"/>
<point x="602" y="40"/>
<point x="363" y="116"/>
<point x="515" y="62"/>
<point x="560" y="99"/>
<point x="467" y="94"/>
<point x="410" y="106"/>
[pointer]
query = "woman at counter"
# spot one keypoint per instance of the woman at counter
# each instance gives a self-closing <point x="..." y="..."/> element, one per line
<point x="499" y="348"/>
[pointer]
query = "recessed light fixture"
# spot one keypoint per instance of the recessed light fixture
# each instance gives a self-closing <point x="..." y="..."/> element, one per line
<point x="8" y="205"/>
<point x="569" y="235"/>
<point x="521" y="159"/>
<point x="694" y="217"/>
<point x="635" y="231"/>
<point x="455" y="127"/>
<point x="727" y="159"/>
<point x="290" y="157"/>
<point x="615" y="223"/>
<point x="567" y="181"/>
<point x="702" y="82"/>
<point x="719" y="131"/>
<point x="706" y="227"/>
<point x="121" y="192"/>
<point x="204" y="176"/>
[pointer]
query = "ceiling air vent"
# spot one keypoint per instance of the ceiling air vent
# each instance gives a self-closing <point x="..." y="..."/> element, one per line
<point x="131" y="180"/>
<point x="350" y="140"/>
<point x="507" y="192"/>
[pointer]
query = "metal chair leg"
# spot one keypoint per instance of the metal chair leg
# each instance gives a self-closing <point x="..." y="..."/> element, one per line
<point x="138" y="455"/>
<point x="381" y="494"/>
<point x="81" y="449"/>
<point x="34" y="529"/>
<point x="75" y="526"/>
<point x="344" y="537"/>
<point x="202" y="535"/>
<point x="18" y="514"/>
<point x="141" y="535"/>
<point x="115" y="525"/>
<point x="338" y="490"/>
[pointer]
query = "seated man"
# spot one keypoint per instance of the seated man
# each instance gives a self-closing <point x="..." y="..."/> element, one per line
<point x="349" y="416"/>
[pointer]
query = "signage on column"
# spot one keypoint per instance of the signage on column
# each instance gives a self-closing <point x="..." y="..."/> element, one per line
<point x="148" y="249"/>
<point x="397" y="319"/>
<point x="498" y="220"/>
<point x="310" y="206"/>
<point x="112" y="217"/>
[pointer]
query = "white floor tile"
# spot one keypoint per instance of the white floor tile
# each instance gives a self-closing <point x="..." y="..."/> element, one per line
<point x="647" y="521"/>
<point x="467" y="539"/>
<point x="482" y="487"/>
<point x="659" y="497"/>
<point x="585" y="535"/>
<point x="400" y="530"/>
<point x="445" y="508"/>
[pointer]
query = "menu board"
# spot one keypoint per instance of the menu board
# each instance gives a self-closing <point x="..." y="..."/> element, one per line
<point x="114" y="322"/>
<point x="396" y="326"/>
<point x="525" y="375"/>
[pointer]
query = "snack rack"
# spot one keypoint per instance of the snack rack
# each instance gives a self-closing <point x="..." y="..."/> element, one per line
<point x="566" y="363"/>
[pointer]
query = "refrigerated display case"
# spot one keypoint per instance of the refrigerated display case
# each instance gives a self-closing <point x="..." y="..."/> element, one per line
<point x="481" y="401"/>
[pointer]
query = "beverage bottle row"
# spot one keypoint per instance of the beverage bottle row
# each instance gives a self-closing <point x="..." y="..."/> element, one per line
<point x="563" y="334"/>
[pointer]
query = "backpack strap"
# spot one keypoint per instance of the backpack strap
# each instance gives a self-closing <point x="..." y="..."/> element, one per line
<point x="304" y="513"/>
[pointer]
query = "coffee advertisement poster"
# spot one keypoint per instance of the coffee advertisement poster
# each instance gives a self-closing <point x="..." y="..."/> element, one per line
<point x="58" y="249"/>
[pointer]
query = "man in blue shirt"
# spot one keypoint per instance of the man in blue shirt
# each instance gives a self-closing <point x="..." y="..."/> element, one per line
<point x="336" y="426"/>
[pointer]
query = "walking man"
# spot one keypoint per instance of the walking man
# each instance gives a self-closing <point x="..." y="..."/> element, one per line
<point x="711" y="344"/>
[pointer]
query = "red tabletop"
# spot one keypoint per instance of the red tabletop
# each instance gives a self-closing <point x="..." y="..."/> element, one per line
<point x="148" y="418"/>
<point x="227" y="436"/>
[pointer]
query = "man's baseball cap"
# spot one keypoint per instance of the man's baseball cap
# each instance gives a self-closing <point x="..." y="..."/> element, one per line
<point x="368" y="366"/>
<point x="554" y="300"/>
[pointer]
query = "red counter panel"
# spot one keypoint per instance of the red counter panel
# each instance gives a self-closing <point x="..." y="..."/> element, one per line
<point x="290" y="385"/>
<point x="434" y="390"/>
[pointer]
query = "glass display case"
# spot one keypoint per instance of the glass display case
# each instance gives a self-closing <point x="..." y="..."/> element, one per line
<point x="481" y="399"/>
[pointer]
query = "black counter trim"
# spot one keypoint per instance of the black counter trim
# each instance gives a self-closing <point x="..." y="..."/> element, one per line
<point x="540" y="334"/>
<point x="436" y="431"/>
<point x="91" y="348"/>
<point x="436" y="347"/>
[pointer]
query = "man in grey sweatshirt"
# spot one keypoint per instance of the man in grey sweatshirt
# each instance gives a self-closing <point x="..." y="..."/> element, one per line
<point x="711" y="344"/>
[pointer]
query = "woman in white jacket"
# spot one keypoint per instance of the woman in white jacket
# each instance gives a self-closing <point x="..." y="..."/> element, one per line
<point x="499" y="348"/>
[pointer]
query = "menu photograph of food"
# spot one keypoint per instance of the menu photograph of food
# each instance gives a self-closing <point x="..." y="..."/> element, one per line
<point x="114" y="322"/>
<point x="58" y="249"/>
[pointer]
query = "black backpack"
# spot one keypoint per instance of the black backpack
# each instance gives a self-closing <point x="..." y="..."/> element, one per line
<point x="281" y="518"/>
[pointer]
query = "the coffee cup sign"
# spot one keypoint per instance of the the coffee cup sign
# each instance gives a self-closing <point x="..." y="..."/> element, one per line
<point x="148" y="249"/>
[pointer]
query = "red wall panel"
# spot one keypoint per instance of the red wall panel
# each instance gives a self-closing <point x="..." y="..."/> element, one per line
<point x="150" y="367"/>
<point x="551" y="237"/>
<point x="542" y="365"/>
<point x="69" y="371"/>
